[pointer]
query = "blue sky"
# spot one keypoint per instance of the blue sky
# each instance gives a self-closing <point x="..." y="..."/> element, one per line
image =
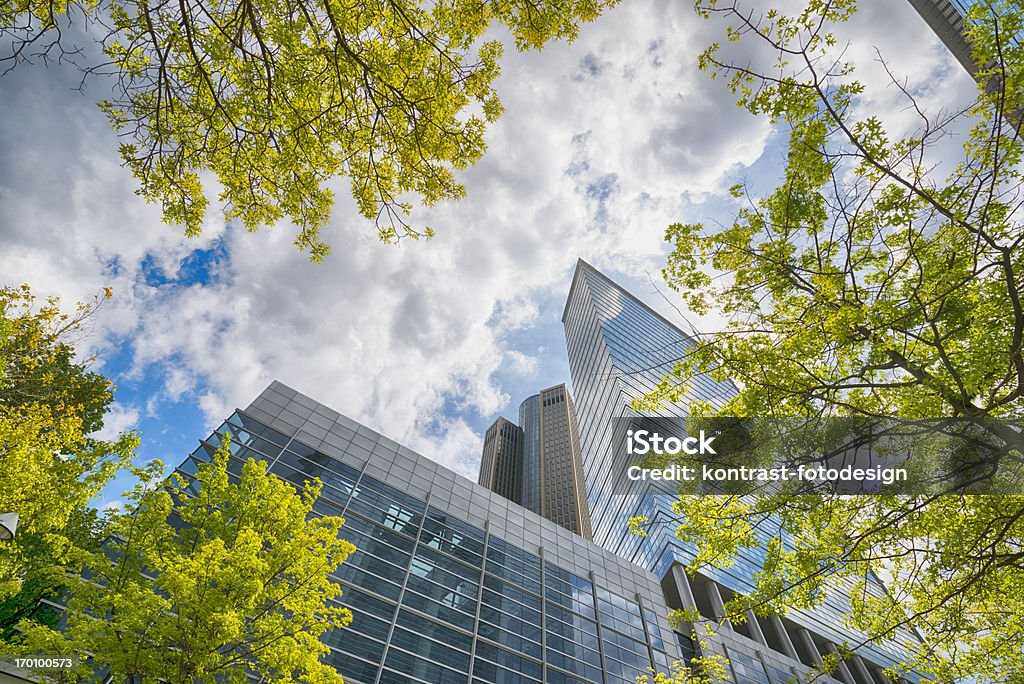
<point x="603" y="143"/>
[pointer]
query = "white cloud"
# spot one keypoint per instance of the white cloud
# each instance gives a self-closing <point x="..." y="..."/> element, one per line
<point x="178" y="382"/>
<point x="457" y="446"/>
<point x="520" y="363"/>
<point x="118" y="419"/>
<point x="603" y="144"/>
<point x="516" y="313"/>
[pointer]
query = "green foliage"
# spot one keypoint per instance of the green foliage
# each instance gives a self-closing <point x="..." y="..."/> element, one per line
<point x="181" y="588"/>
<point x="874" y="281"/>
<point x="208" y="580"/>
<point x="711" y="669"/>
<point x="49" y="467"/>
<point x="37" y="359"/>
<point x="864" y="283"/>
<point x="274" y="99"/>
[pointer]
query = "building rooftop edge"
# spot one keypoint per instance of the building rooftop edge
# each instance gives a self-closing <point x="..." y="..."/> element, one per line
<point x="276" y="386"/>
<point x="582" y="266"/>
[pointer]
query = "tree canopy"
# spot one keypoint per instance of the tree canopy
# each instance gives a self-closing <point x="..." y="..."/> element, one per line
<point x="203" y="579"/>
<point x="193" y="579"/>
<point x="876" y="280"/>
<point x="50" y="466"/>
<point x="269" y="101"/>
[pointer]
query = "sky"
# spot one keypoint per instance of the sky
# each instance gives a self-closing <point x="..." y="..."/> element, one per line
<point x="604" y="143"/>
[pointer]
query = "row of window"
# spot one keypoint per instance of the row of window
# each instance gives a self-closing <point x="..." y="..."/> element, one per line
<point x="423" y="595"/>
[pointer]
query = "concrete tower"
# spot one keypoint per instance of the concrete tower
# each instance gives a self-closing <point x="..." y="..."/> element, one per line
<point x="538" y="463"/>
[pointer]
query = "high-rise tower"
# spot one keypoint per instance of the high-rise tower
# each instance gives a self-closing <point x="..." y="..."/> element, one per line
<point x="541" y="454"/>
<point x="501" y="466"/>
<point x="619" y="350"/>
<point x="552" y="462"/>
<point x="946" y="19"/>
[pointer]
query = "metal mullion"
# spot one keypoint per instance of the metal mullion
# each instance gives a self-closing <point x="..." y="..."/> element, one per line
<point x="543" y="619"/>
<point x="401" y="593"/>
<point x="600" y="632"/>
<point x="479" y="601"/>
<point x="647" y="632"/>
<point x="291" y="438"/>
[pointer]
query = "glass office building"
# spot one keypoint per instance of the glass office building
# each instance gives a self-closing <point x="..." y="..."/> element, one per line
<point x="619" y="350"/>
<point x="451" y="582"/>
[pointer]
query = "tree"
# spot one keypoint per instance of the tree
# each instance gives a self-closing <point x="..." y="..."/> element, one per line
<point x="207" y="580"/>
<point x="276" y="99"/>
<point x="197" y="580"/>
<point x="50" y="468"/>
<point x="875" y="281"/>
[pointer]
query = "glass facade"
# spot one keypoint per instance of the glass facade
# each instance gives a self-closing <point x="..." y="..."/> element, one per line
<point x="529" y="421"/>
<point x="553" y="466"/>
<point x="619" y="350"/>
<point x="438" y="599"/>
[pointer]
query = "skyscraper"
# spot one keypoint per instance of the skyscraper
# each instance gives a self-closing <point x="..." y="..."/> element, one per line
<point x="619" y="350"/>
<point x="542" y="455"/>
<point x="553" y="466"/>
<point x="946" y="19"/>
<point x="501" y="465"/>
<point x="451" y="583"/>
<point x="454" y="583"/>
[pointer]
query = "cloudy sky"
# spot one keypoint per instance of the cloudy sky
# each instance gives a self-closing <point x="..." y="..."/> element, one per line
<point x="603" y="143"/>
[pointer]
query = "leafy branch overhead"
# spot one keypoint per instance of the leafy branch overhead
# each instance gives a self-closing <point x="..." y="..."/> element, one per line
<point x="214" y="577"/>
<point x="866" y="283"/>
<point x="882" y="277"/>
<point x="275" y="99"/>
